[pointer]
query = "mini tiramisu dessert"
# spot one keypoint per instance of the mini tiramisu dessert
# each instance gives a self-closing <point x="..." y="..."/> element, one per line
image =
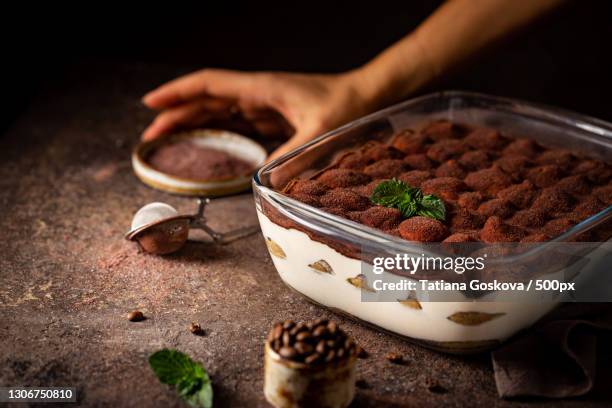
<point x="309" y="365"/>
<point x="442" y="183"/>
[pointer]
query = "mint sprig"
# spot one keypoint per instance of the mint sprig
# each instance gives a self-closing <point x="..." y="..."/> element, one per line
<point x="190" y="379"/>
<point x="432" y="207"/>
<point x="409" y="200"/>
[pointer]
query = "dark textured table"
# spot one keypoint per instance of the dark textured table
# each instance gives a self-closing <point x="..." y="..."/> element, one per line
<point x="68" y="279"/>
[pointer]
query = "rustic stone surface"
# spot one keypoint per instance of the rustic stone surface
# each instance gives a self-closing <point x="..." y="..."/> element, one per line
<point x="68" y="279"/>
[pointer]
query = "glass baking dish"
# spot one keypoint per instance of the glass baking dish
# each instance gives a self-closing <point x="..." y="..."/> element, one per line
<point x="316" y="252"/>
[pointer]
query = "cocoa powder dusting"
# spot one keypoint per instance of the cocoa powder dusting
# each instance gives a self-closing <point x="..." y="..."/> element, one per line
<point x="519" y="186"/>
<point x="185" y="159"/>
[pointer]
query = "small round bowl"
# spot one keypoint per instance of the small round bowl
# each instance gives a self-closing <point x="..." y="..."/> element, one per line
<point x="233" y="143"/>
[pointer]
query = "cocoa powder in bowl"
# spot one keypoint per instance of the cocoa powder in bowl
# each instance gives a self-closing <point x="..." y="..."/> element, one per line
<point x="185" y="159"/>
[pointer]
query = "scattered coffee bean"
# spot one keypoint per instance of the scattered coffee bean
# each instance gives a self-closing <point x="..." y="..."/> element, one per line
<point x="318" y="342"/>
<point x="196" y="329"/>
<point x="395" y="358"/>
<point x="363" y="384"/>
<point x="435" y="388"/>
<point x="135" y="316"/>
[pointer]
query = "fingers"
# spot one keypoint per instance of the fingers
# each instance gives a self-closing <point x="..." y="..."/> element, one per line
<point x="268" y="122"/>
<point x="207" y="82"/>
<point x="270" y="127"/>
<point x="189" y="114"/>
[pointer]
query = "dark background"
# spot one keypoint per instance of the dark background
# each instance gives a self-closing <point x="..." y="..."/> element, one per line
<point x="564" y="60"/>
<point x="67" y="204"/>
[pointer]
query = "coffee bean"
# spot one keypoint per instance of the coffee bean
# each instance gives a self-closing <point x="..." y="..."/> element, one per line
<point x="332" y="327"/>
<point x="298" y="328"/>
<point x="196" y="329"/>
<point x="340" y="353"/>
<point x="287" y="352"/>
<point x="135" y="316"/>
<point x="348" y="343"/>
<point x="313" y="359"/>
<point x="319" y="331"/>
<point x="330" y="344"/>
<point x="395" y="358"/>
<point x="287" y="339"/>
<point x="303" y="336"/>
<point x="277" y="332"/>
<point x="303" y="348"/>
<point x="288" y="324"/>
<point x="276" y="345"/>
<point x="321" y="321"/>
<point x="330" y="356"/>
<point x="321" y="347"/>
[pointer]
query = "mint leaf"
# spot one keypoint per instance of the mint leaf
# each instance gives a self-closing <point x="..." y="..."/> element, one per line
<point x="432" y="207"/>
<point x="409" y="200"/>
<point x="202" y="398"/>
<point x="197" y="392"/>
<point x="188" y="385"/>
<point x="390" y="192"/>
<point x="396" y="194"/>
<point x="408" y="206"/>
<point x="191" y="380"/>
<point x="171" y="366"/>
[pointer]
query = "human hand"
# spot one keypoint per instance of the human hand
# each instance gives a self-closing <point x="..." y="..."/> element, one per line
<point x="302" y="106"/>
<point x="298" y="106"/>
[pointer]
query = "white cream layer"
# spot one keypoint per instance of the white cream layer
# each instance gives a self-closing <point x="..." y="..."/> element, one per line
<point x="429" y="323"/>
